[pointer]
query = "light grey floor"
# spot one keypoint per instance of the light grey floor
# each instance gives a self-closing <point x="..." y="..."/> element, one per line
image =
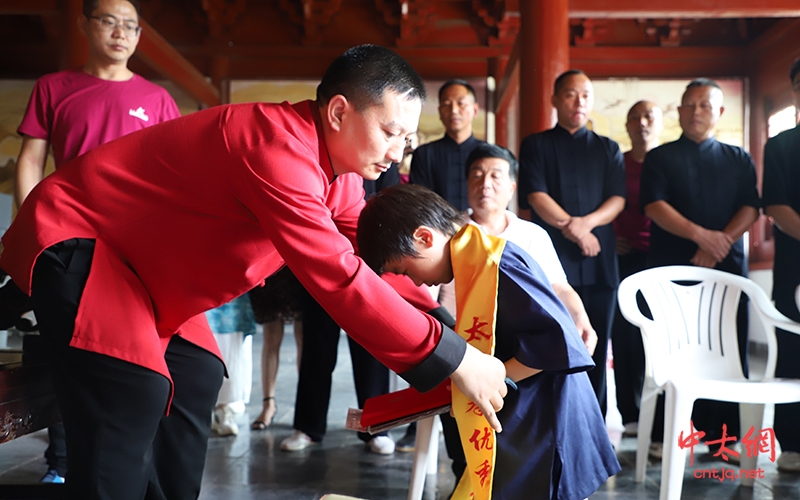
<point x="251" y="466"/>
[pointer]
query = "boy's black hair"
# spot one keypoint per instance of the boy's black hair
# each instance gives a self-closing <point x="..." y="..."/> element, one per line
<point x="563" y="77"/>
<point x="794" y="70"/>
<point x="703" y="82"/>
<point x="457" y="81"/>
<point x="486" y="150"/>
<point x="363" y="74"/>
<point x="90" y="5"/>
<point x="387" y="223"/>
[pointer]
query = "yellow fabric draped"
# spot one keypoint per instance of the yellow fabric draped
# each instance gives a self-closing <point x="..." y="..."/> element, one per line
<point x="475" y="257"/>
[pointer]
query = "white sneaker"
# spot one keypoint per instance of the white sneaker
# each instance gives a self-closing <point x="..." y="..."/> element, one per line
<point x="632" y="429"/>
<point x="381" y="445"/>
<point x="297" y="441"/>
<point x="237" y="407"/>
<point x="223" y="423"/>
<point x="789" y="461"/>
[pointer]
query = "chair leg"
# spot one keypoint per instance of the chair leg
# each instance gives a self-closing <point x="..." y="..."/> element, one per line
<point x="422" y="448"/>
<point x="677" y="415"/>
<point x="433" y="450"/>
<point x="647" y="411"/>
<point x="750" y="416"/>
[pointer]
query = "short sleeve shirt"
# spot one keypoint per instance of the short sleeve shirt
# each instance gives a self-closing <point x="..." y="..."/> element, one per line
<point x="782" y="187"/>
<point x="536" y="242"/>
<point x="631" y="223"/>
<point x="77" y="112"/>
<point x="580" y="172"/>
<point x="441" y="167"/>
<point x="707" y="183"/>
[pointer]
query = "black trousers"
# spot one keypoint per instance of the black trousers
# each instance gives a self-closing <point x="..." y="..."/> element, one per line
<point x="320" y="341"/>
<point x="787" y="416"/>
<point x="120" y="445"/>
<point x="56" y="453"/>
<point x="600" y="302"/>
<point x="626" y="343"/>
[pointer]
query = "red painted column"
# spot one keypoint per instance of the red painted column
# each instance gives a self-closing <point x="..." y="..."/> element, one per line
<point x="544" y="54"/>
<point x="74" y="51"/>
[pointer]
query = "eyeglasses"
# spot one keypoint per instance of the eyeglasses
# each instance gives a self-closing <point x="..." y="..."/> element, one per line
<point x="110" y="23"/>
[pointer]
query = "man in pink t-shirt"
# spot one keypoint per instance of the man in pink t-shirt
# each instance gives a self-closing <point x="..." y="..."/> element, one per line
<point x="81" y="108"/>
<point x="644" y="124"/>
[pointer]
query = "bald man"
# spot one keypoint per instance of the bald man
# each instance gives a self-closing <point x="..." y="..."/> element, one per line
<point x="701" y="195"/>
<point x="644" y="124"/>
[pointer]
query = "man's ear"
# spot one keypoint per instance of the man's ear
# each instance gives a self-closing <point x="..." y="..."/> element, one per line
<point x="335" y="110"/>
<point x="424" y="235"/>
<point x="721" y="110"/>
<point x="83" y="24"/>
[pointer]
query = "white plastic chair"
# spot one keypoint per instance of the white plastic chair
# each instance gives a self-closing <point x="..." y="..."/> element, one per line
<point x="691" y="353"/>
<point x="426" y="455"/>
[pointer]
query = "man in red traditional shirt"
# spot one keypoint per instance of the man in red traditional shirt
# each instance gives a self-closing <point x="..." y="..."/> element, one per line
<point x="240" y="189"/>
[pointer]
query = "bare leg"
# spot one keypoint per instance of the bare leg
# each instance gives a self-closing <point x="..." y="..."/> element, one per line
<point x="270" y="357"/>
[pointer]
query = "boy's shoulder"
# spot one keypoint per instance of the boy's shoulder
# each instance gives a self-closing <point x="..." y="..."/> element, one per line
<point x="520" y="262"/>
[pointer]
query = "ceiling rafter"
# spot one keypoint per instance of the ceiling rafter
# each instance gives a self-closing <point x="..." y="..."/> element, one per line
<point x="312" y="15"/>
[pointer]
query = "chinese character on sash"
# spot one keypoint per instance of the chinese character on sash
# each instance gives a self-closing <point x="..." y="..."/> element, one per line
<point x="484" y="441"/>
<point x="724" y="451"/>
<point x="484" y="471"/>
<point x="473" y="408"/>
<point x="763" y="442"/>
<point x="690" y="441"/>
<point x="475" y="332"/>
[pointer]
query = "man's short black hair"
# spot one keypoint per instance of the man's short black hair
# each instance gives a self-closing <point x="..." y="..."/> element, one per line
<point x="486" y="150"/>
<point x="457" y="81"/>
<point x="794" y="70"/>
<point x="563" y="77"/>
<point x="703" y="82"/>
<point x="90" y="5"/>
<point x="364" y="73"/>
<point x="387" y="223"/>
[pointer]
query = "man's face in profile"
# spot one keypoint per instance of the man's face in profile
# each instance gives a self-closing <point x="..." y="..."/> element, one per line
<point x="370" y="139"/>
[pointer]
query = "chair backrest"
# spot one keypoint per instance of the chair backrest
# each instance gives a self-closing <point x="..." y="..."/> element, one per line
<point x="692" y="332"/>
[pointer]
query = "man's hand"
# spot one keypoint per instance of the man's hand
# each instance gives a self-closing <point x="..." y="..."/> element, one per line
<point x="576" y="228"/>
<point x="587" y="333"/>
<point x="703" y="259"/>
<point x="482" y="379"/>
<point x="590" y="245"/>
<point x="715" y="243"/>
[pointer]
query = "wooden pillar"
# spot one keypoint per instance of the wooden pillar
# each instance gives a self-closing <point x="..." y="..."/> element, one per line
<point x="75" y="50"/>
<point x="220" y="78"/>
<point x="544" y="54"/>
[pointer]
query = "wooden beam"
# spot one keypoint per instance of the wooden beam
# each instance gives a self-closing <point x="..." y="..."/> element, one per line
<point x="509" y="83"/>
<point x="30" y="7"/>
<point x="635" y="9"/>
<point x="659" y="62"/>
<point x="157" y="53"/>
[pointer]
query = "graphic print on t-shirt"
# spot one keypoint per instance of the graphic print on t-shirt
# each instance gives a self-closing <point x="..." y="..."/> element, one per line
<point x="139" y="113"/>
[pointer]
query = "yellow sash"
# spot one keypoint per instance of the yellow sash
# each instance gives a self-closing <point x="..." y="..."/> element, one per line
<point x="475" y="257"/>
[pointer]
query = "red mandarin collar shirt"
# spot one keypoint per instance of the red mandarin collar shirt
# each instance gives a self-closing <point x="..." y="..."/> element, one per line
<point x="194" y="212"/>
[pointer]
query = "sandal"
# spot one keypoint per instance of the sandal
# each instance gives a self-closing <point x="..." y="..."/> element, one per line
<point x="260" y="425"/>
